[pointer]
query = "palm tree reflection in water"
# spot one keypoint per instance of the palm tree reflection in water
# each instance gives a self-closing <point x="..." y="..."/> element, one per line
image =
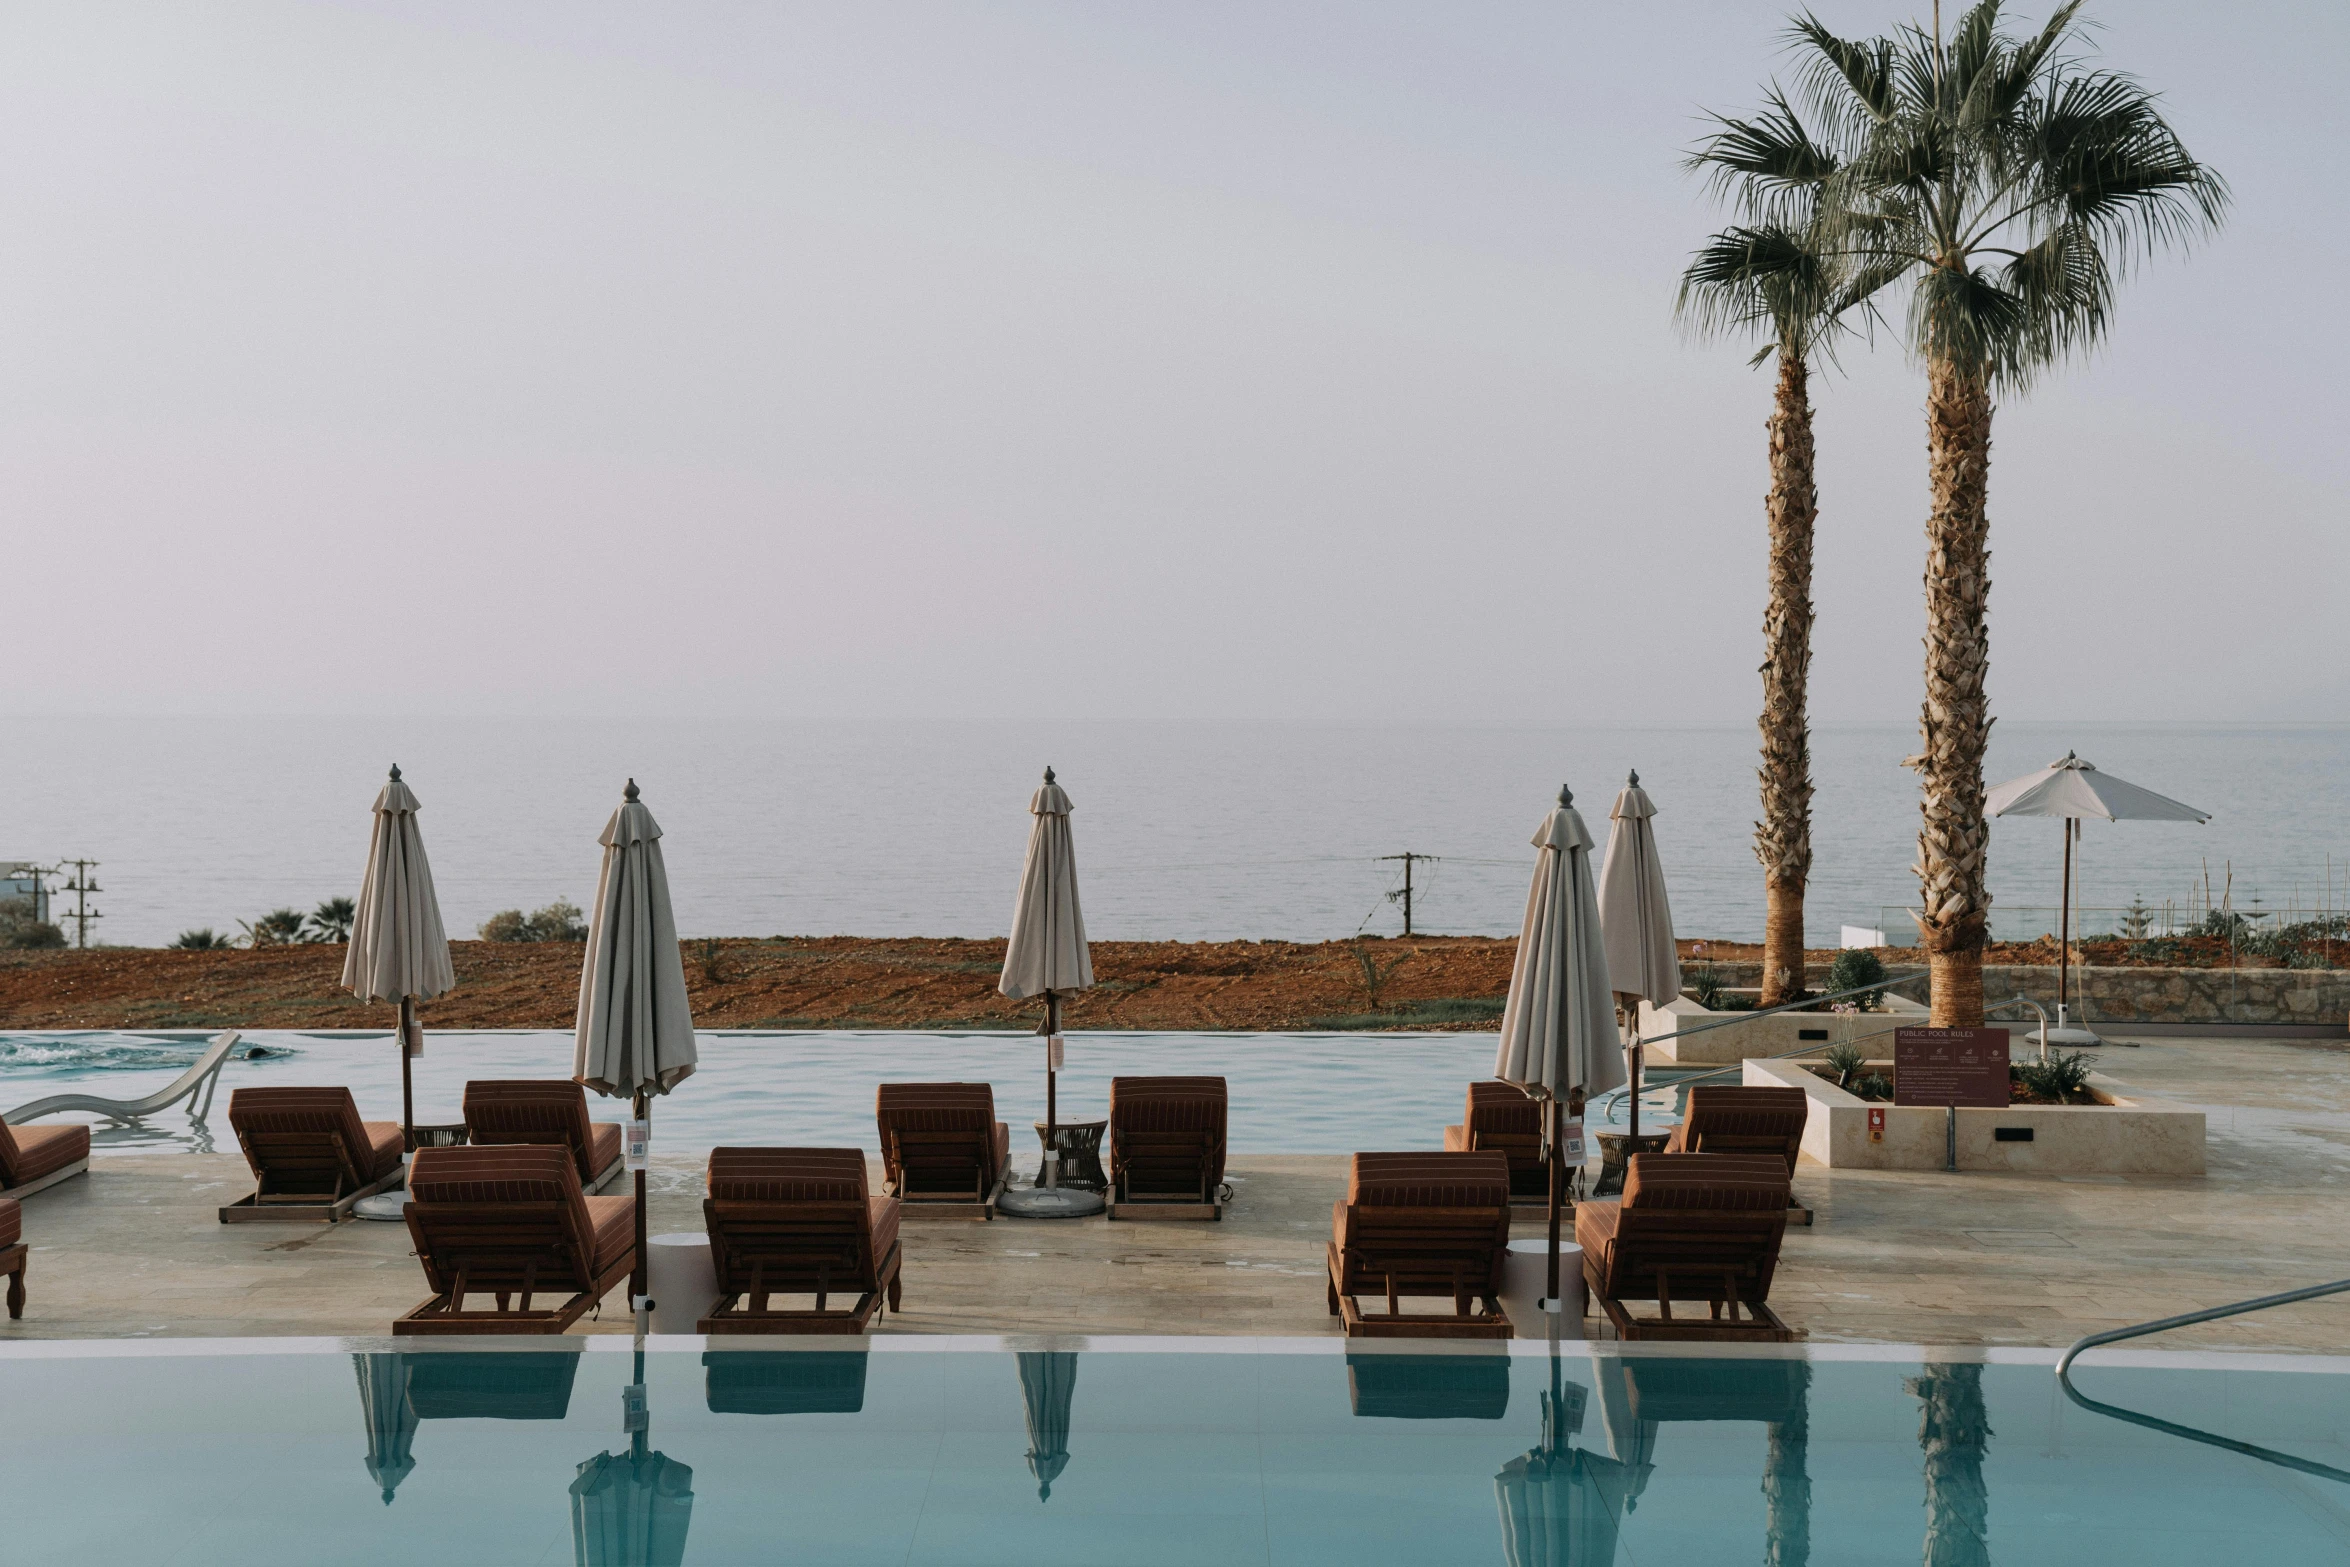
<point x="1954" y="1430"/>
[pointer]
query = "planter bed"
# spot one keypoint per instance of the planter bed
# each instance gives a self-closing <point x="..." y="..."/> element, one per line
<point x="1763" y="1036"/>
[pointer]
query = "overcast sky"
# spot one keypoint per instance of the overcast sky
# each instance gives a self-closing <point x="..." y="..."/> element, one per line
<point x="1071" y="361"/>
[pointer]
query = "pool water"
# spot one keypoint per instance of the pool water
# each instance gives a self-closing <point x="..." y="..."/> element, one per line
<point x="1179" y="1452"/>
<point x="1291" y="1093"/>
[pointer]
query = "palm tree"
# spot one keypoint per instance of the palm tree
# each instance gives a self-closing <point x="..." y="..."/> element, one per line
<point x="2009" y="185"/>
<point x="331" y="920"/>
<point x="1782" y="275"/>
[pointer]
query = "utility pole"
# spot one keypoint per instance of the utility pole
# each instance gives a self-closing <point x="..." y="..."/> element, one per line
<point x="1405" y="895"/>
<point x="81" y="885"/>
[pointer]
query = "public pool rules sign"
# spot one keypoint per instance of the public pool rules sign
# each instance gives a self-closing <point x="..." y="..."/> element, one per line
<point x="1951" y="1066"/>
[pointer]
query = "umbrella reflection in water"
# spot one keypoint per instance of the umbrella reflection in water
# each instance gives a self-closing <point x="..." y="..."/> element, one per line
<point x="399" y="1392"/>
<point x="391" y="1419"/>
<point x="1560" y="1504"/>
<point x="632" y="1509"/>
<point x="1048" y="1382"/>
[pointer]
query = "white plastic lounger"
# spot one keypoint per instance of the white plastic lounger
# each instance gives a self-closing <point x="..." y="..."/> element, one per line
<point x="204" y="1076"/>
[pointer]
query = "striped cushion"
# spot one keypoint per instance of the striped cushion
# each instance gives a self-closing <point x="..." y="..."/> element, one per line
<point x="1722" y="1110"/>
<point x="541" y="1111"/>
<point x="373" y="1147"/>
<point x="1495" y="1106"/>
<point x="29" y="1152"/>
<point x="612" y="1220"/>
<point x="11" y="1221"/>
<point x="787" y="1174"/>
<point x="943" y="1107"/>
<point x="1430" y="1180"/>
<point x="1706" y="1182"/>
<point x="884" y="1219"/>
<point x="502" y="1172"/>
<point x="1168" y="1104"/>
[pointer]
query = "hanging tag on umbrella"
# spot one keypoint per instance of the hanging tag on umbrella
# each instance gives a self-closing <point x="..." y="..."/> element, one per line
<point x="413" y="1039"/>
<point x="635" y="1416"/>
<point x="1052" y="1053"/>
<point x="640" y="1145"/>
<point x="1572" y="1138"/>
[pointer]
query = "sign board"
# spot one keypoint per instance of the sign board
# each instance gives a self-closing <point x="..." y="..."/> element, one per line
<point x="1876" y="1123"/>
<point x="1951" y="1066"/>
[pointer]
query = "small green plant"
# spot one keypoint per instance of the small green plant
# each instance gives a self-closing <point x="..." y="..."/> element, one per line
<point x="202" y="939"/>
<point x="1853" y="968"/>
<point x="1844" y="1060"/>
<point x="2137" y="920"/>
<point x="1375" y="973"/>
<point x="2061" y="1079"/>
<point x="713" y="961"/>
<point x="1874" y="1086"/>
<point x="1706" y="989"/>
<point x="1736" y="1001"/>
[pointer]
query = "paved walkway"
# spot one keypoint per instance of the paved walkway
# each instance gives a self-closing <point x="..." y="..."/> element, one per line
<point x="135" y="1249"/>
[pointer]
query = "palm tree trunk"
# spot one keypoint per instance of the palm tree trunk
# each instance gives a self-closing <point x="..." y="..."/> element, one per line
<point x="1955" y="725"/>
<point x="1782" y="839"/>
<point x="1954" y="1432"/>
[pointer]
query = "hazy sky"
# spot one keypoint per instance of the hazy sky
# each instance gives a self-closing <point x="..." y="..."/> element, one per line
<point x="1070" y="360"/>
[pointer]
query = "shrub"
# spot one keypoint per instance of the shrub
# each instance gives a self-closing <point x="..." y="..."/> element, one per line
<point x="1854" y="967"/>
<point x="1844" y="1060"/>
<point x="1706" y="989"/>
<point x="21" y="932"/>
<point x="1874" y="1086"/>
<point x="558" y="921"/>
<point x="202" y="939"/>
<point x="2061" y="1079"/>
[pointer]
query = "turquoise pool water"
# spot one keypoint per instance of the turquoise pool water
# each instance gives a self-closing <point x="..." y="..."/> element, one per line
<point x="1291" y="1093"/>
<point x="939" y="1453"/>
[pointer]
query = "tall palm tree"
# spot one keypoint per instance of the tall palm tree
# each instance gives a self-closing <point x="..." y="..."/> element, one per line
<point x="2008" y="184"/>
<point x="1781" y="275"/>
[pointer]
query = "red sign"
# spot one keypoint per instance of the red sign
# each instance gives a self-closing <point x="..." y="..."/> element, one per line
<point x="1951" y="1066"/>
<point x="1876" y="1123"/>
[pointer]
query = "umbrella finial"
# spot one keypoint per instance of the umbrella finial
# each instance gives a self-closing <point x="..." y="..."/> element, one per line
<point x="1632" y="779"/>
<point x="1566" y="795"/>
<point x="1048" y="775"/>
<point x="629" y="793"/>
<point x="395" y="772"/>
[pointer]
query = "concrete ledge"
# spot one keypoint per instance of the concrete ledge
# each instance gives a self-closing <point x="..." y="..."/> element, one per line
<point x="2131" y="1135"/>
<point x="1763" y="1036"/>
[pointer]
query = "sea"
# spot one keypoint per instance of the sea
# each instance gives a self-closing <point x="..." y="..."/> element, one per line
<point x="1183" y="831"/>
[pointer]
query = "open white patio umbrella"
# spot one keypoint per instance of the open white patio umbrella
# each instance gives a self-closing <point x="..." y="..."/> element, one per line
<point x="1047" y="956"/>
<point x="1642" y="962"/>
<point x="1558" y="1030"/>
<point x="398" y="950"/>
<point x="2072" y="789"/>
<point x="636" y="1026"/>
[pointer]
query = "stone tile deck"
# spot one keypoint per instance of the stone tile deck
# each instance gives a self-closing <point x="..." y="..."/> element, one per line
<point x="135" y="1249"/>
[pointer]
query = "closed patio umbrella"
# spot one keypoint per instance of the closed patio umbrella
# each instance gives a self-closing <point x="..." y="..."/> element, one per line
<point x="1560" y="1505"/>
<point x="1558" y="1030"/>
<point x="1047" y="956"/>
<point x="2072" y="789"/>
<point x="391" y="1419"/>
<point x="398" y="950"/>
<point x="636" y="1026"/>
<point x="1642" y="962"/>
<point x="632" y="1509"/>
<point x="1048" y="1383"/>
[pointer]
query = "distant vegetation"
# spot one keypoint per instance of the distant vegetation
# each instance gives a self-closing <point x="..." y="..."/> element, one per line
<point x="202" y="939"/>
<point x="20" y="931"/>
<point x="560" y="920"/>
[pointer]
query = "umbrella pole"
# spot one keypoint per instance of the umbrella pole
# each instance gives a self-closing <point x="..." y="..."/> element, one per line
<point x="1629" y="1006"/>
<point x="1052" y="1106"/>
<point x="1558" y="1181"/>
<point x="2064" y="921"/>
<point x="639" y="1277"/>
<point x="407" y="1076"/>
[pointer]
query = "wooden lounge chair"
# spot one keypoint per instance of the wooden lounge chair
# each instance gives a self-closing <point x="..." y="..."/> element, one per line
<point x="1724" y="1118"/>
<point x="784" y="1382"/>
<point x="943" y="1152"/>
<point x="1504" y="1117"/>
<point x="1422" y="1224"/>
<point x="35" y="1158"/>
<point x="13" y="1253"/>
<point x="511" y="1222"/>
<point x="1387" y="1386"/>
<point x="797" y="1221"/>
<point x="545" y="1112"/>
<point x="1689" y="1227"/>
<point x="1167" y="1147"/>
<point x="312" y="1157"/>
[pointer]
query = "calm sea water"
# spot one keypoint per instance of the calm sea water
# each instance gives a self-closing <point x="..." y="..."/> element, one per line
<point x="1183" y="831"/>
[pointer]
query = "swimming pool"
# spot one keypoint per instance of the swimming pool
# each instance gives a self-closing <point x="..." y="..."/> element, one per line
<point x="1291" y="1093"/>
<point x="1154" y="1451"/>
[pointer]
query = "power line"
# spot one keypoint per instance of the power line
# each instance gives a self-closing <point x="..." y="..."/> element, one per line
<point x="81" y="885"/>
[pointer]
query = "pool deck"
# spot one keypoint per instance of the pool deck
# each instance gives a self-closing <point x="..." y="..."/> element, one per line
<point x="135" y="1249"/>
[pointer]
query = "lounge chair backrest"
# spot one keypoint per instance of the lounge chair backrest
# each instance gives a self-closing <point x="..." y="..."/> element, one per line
<point x="1502" y="1109"/>
<point x="1429" y="1387"/>
<point x="1696" y="1226"/>
<point x="1427" y="1219"/>
<point x="533" y="1386"/>
<point x="938" y="1137"/>
<point x="1167" y="1135"/>
<point x="1730" y="1119"/>
<point x="302" y="1139"/>
<point x="9" y="1171"/>
<point x="532" y="1111"/>
<point x="11" y="1221"/>
<point x="791" y="1218"/>
<point x="501" y="1214"/>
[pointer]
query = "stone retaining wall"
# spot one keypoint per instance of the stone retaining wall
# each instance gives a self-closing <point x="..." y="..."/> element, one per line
<point x="2137" y="995"/>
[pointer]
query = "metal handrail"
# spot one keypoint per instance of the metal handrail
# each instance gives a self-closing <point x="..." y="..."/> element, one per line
<point x="1807" y="1004"/>
<point x="2116" y="1335"/>
<point x="2267" y="1455"/>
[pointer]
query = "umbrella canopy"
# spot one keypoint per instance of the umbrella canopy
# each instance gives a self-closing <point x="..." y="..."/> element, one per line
<point x="1558" y="1030"/>
<point x="1641" y="958"/>
<point x="636" y="1026"/>
<point x="2075" y="788"/>
<point x="1559" y="1508"/>
<point x="391" y="1419"/>
<point x="1048" y="1381"/>
<point x="398" y="948"/>
<point x="631" y="1510"/>
<point x="1047" y="954"/>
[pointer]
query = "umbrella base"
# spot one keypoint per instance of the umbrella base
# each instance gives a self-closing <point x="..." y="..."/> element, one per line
<point x="385" y="1207"/>
<point x="1049" y="1202"/>
<point x="2064" y="1033"/>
